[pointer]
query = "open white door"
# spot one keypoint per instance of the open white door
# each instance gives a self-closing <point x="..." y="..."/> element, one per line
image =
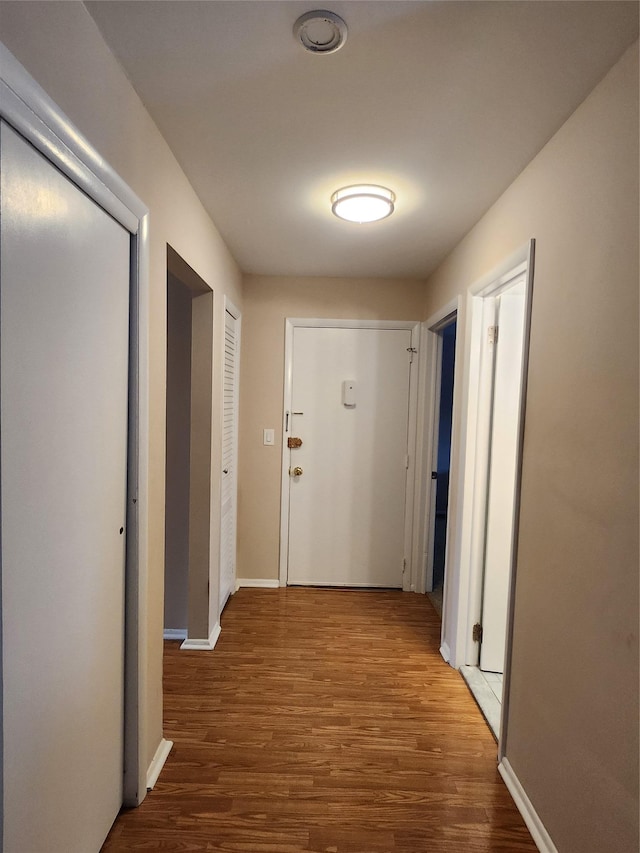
<point x="64" y="391"/>
<point x="350" y="408"/>
<point x="229" y="454"/>
<point x="508" y="340"/>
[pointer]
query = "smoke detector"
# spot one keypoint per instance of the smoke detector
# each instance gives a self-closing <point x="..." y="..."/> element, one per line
<point x="320" y="31"/>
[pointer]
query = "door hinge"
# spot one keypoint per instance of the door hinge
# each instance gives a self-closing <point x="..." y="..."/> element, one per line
<point x="404" y="565"/>
<point x="412" y="351"/>
<point x="492" y="335"/>
<point x="477" y="633"/>
<point x="406" y="460"/>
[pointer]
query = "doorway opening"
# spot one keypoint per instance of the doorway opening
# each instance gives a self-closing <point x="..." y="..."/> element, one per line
<point x="188" y="452"/>
<point x="478" y="630"/>
<point x="441" y="464"/>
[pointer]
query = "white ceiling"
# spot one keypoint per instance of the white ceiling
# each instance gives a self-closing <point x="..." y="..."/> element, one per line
<point x="443" y="102"/>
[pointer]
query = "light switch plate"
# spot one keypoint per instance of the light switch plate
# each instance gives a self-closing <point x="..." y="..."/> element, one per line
<point x="268" y="437"/>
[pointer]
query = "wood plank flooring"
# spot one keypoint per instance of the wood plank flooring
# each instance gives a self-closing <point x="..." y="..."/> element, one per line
<point x="325" y="721"/>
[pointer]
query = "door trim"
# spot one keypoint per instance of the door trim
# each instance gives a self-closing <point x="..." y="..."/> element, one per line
<point x="428" y="411"/>
<point x="30" y="111"/>
<point x="320" y="323"/>
<point x="461" y="581"/>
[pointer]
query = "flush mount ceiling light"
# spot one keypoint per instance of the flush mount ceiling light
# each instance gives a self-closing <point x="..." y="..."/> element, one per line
<point x="363" y="203"/>
<point x="320" y="31"/>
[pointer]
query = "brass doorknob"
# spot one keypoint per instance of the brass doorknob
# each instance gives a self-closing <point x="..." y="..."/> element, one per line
<point x="297" y="471"/>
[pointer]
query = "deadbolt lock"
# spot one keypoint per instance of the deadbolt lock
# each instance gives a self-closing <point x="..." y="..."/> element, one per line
<point x="295" y="472"/>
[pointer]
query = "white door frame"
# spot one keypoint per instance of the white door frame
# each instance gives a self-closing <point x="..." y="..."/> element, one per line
<point x="318" y="323"/>
<point x="28" y="109"/>
<point x="469" y="476"/>
<point x="427" y="446"/>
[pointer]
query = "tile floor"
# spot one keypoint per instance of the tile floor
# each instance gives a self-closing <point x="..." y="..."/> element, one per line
<point x="486" y="688"/>
<point x="494" y="680"/>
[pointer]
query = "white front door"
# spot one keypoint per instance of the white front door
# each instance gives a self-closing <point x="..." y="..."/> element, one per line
<point x="503" y="455"/>
<point x="229" y="456"/>
<point x="350" y="408"/>
<point x="64" y="389"/>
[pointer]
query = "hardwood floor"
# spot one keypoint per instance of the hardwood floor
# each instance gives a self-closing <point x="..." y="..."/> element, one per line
<point x="325" y="721"/>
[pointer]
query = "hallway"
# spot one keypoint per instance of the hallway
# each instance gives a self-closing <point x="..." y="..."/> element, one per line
<point x="326" y="721"/>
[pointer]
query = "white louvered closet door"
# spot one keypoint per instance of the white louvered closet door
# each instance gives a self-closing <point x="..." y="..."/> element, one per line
<point x="229" y="455"/>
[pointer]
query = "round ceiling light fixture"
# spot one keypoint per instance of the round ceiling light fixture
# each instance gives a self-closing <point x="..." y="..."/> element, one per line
<point x="363" y="203"/>
<point x="320" y="31"/>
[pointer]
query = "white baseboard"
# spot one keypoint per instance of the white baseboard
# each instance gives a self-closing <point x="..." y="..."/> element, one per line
<point x="524" y="805"/>
<point x="203" y="645"/>
<point x="162" y="753"/>
<point x="175" y="634"/>
<point x="258" y="583"/>
<point x="445" y="651"/>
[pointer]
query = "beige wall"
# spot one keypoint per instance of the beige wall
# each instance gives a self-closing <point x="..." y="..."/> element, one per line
<point x="573" y="713"/>
<point x="62" y="48"/>
<point x="200" y="465"/>
<point x="268" y="301"/>
<point x="178" y="435"/>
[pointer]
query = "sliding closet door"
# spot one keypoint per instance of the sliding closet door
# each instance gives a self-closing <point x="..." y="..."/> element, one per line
<point x="64" y="327"/>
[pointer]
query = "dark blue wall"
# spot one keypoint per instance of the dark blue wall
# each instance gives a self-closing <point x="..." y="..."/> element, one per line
<point x="444" y="452"/>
